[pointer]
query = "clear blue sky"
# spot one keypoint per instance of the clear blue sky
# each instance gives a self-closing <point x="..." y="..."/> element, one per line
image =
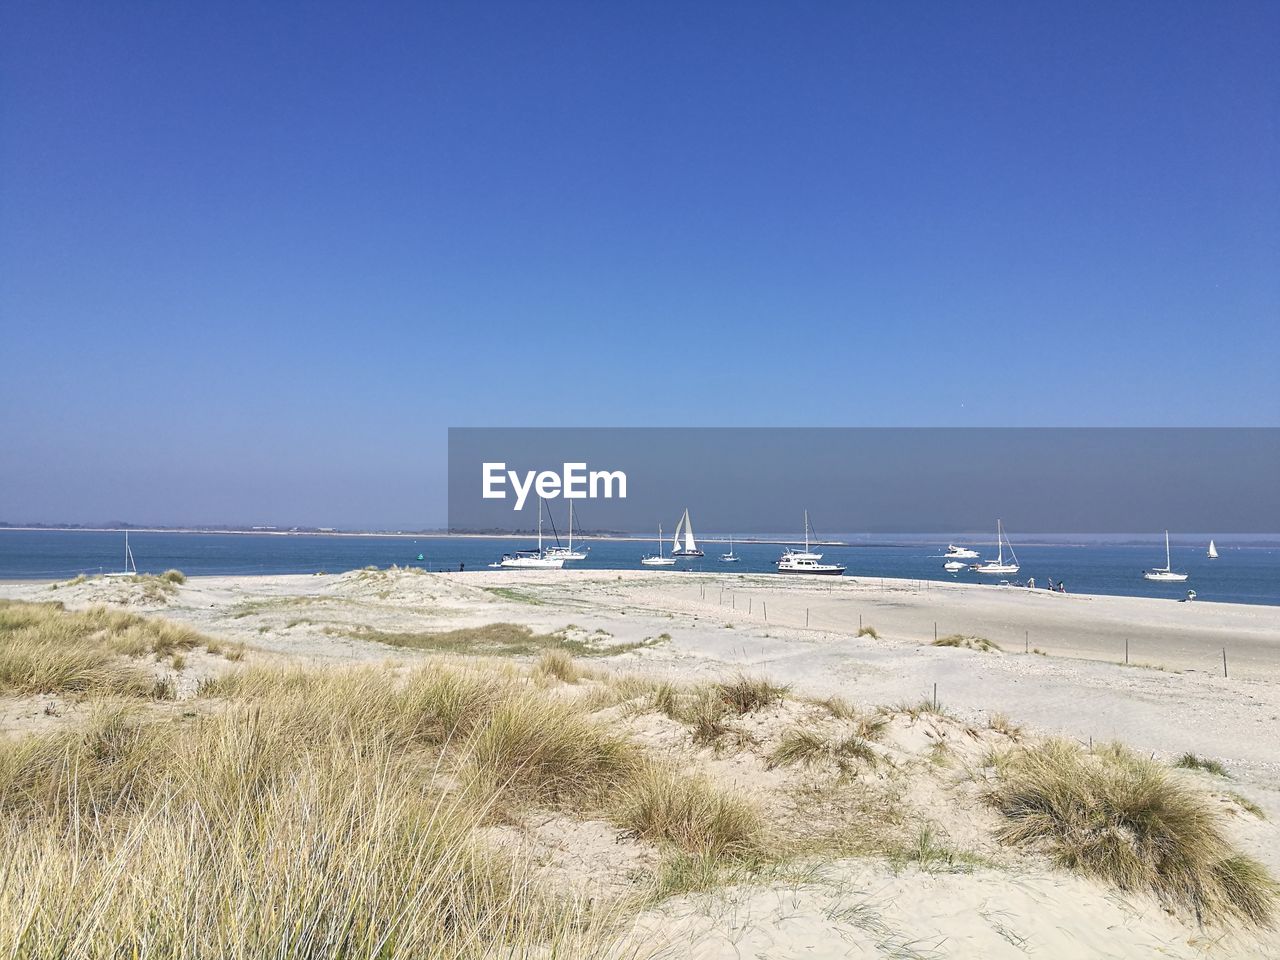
<point x="255" y="258"/>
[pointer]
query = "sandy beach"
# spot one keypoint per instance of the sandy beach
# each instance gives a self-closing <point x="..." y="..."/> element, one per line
<point x="1053" y="665"/>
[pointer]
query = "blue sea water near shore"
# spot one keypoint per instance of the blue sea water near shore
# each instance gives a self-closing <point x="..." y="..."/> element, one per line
<point x="1248" y="570"/>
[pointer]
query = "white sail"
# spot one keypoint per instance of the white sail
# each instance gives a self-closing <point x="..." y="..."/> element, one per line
<point x="675" y="540"/>
<point x="1213" y="551"/>
<point x="690" y="545"/>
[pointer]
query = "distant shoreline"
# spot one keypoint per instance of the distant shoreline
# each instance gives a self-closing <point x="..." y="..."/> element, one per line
<point x="1251" y="540"/>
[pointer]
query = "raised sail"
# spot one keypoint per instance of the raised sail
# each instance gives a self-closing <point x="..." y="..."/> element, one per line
<point x="1213" y="551"/>
<point x="683" y="544"/>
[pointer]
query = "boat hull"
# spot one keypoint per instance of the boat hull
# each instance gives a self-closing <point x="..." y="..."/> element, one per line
<point x="1161" y="576"/>
<point x="687" y="553"/>
<point x="996" y="570"/>
<point x="531" y="563"/>
<point x="658" y="561"/>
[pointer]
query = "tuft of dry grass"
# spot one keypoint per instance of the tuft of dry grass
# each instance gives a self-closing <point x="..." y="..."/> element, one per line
<point x="558" y="664"/>
<point x="1002" y="724"/>
<point x="806" y="747"/>
<point x="869" y="631"/>
<point x="746" y="694"/>
<point x="174" y="577"/>
<point x="800" y="746"/>
<point x="689" y="813"/>
<point x="1190" y="761"/>
<point x="1122" y="818"/>
<point x="966" y="643"/>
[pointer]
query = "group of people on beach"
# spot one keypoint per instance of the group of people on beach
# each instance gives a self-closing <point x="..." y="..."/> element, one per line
<point x="1060" y="587"/>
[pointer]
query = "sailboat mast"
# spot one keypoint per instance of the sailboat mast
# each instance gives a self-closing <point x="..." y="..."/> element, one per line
<point x="539" y="525"/>
<point x="999" y="542"/>
<point x="1168" y="560"/>
<point x="806" y="531"/>
<point x="571" y="526"/>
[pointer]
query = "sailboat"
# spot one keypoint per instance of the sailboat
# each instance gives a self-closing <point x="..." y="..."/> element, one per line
<point x="689" y="548"/>
<point x="1213" y="551"/>
<point x="538" y="559"/>
<point x="568" y="553"/>
<point x="791" y="554"/>
<point x="998" y="565"/>
<point x="130" y="568"/>
<point x="659" y="560"/>
<point x="730" y="557"/>
<point x="1166" y="573"/>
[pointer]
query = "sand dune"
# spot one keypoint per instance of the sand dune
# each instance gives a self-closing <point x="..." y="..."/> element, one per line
<point x="1056" y="669"/>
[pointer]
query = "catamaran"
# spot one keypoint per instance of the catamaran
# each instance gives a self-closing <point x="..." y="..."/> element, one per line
<point x="1213" y="551"/>
<point x="998" y="566"/>
<point x="130" y="568"/>
<point x="806" y="554"/>
<point x="539" y="559"/>
<point x="568" y="553"/>
<point x="959" y="553"/>
<point x="730" y="557"/>
<point x="689" y="547"/>
<point x="1166" y="573"/>
<point x="658" y="561"/>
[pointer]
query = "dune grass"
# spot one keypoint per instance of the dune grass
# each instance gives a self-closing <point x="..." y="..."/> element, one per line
<point x="804" y="746"/>
<point x="1190" y="761"/>
<point x="558" y="664"/>
<point x="967" y="643"/>
<point x="495" y="639"/>
<point x="1122" y="818"/>
<point x="45" y="649"/>
<point x="689" y="813"/>
<point x="328" y="814"/>
<point x="745" y="694"/>
<point x="869" y="631"/>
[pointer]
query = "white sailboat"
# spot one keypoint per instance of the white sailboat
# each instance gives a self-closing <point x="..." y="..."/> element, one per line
<point x="659" y="560"/>
<point x="959" y="553"/>
<point x="683" y="544"/>
<point x="1165" y="574"/>
<point x="998" y="566"/>
<point x="536" y="559"/>
<point x="1213" y="551"/>
<point x="806" y="554"/>
<point x="568" y="553"/>
<point x="130" y="568"/>
<point x="730" y="557"/>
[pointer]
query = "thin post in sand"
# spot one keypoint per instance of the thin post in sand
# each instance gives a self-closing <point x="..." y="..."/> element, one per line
<point x="1126" y="650"/>
<point x="1224" y="661"/>
<point x="806" y="618"/>
<point x="935" y="631"/>
<point x="1026" y="641"/>
<point x="765" y="607"/>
